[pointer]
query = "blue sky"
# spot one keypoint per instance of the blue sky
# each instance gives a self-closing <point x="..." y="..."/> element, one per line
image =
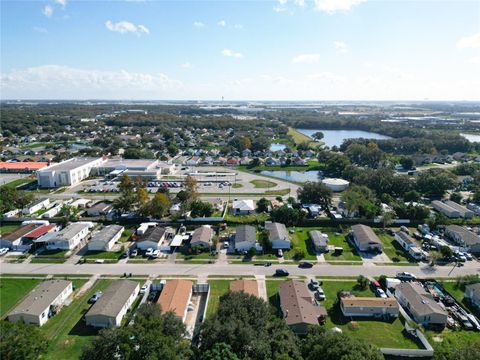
<point x="242" y="50"/>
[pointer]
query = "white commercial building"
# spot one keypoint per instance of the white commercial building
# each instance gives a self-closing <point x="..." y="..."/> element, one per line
<point x="67" y="173"/>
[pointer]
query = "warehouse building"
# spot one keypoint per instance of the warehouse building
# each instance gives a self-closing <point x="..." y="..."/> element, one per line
<point x="67" y="173"/>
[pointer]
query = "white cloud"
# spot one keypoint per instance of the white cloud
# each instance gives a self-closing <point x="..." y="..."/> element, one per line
<point x="231" y="53"/>
<point x="332" y="6"/>
<point x="198" y="24"/>
<point x="474" y="60"/>
<point x="472" y="41"/>
<point x="299" y="2"/>
<point x="279" y="9"/>
<point x="63" y="82"/>
<point x="340" y="46"/>
<point x="124" y="27"/>
<point x="47" y="10"/>
<point x="186" y="65"/>
<point x="282" y="2"/>
<point x="306" y="58"/>
<point x="40" y="30"/>
<point x="222" y="23"/>
<point x="61" y="2"/>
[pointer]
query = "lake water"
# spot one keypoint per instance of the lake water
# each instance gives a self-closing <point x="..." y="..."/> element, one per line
<point x="298" y="176"/>
<point x="336" y="137"/>
<point x="471" y="137"/>
<point x="277" y="147"/>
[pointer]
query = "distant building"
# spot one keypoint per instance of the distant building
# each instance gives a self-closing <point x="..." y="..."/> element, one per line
<point x="100" y="208"/>
<point x="152" y="238"/>
<point x="365" y="238"/>
<point x="243" y="207"/>
<point x="175" y="296"/>
<point x="67" y="173"/>
<point x="17" y="240"/>
<point x="421" y="305"/>
<point x="464" y="238"/>
<point x="452" y="210"/>
<point x="112" y="306"/>
<point x="105" y="239"/>
<point x="44" y="300"/>
<point x="36" y="206"/>
<point x="278" y="235"/>
<point x="297" y="307"/>
<point x="247" y="286"/>
<point x="24" y="167"/>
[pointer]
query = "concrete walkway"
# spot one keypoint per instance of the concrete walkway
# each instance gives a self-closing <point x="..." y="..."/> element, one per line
<point x="262" y="287"/>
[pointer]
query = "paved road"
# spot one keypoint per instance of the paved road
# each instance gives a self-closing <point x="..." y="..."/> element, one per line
<point x="222" y="269"/>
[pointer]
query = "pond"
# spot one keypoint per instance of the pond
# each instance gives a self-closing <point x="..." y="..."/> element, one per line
<point x="297" y="176"/>
<point x="277" y="147"/>
<point x="471" y="137"/>
<point x="336" y="137"/>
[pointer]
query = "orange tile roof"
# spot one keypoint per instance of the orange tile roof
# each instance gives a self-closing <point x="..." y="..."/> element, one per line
<point x="247" y="286"/>
<point x="175" y="296"/>
<point x="31" y="165"/>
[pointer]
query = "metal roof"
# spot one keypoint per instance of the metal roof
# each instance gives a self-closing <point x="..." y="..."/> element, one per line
<point x="113" y="299"/>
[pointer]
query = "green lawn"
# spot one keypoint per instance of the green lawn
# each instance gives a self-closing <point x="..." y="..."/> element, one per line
<point x="53" y="254"/>
<point x="18" y="182"/>
<point x="12" y="291"/>
<point x="459" y="295"/>
<point x="112" y="255"/>
<point x="6" y="229"/>
<point x="67" y="331"/>
<point x="246" y="219"/>
<point x="263" y="184"/>
<point x="127" y="233"/>
<point x="301" y="239"/>
<point x="217" y="289"/>
<point x="392" y="248"/>
<point x="451" y="339"/>
<point x="47" y="261"/>
<point x="336" y="238"/>
<point x="272" y="292"/>
<point x="237" y="185"/>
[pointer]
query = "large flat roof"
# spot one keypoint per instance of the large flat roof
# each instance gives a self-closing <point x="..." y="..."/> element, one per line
<point x="133" y="163"/>
<point x="41" y="297"/>
<point x="24" y="165"/>
<point x="69" y="164"/>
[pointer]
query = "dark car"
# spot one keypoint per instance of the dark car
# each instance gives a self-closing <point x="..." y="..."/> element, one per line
<point x="95" y="297"/>
<point x="305" y="265"/>
<point x="281" y="272"/>
<point x="124" y="255"/>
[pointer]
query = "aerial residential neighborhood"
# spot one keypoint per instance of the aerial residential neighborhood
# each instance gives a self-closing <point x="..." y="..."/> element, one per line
<point x="239" y="180"/>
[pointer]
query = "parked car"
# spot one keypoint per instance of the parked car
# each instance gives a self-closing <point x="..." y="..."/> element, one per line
<point x="3" y="251"/>
<point x="143" y="289"/>
<point x="374" y="284"/>
<point x="152" y="296"/>
<point x="313" y="285"/>
<point x="405" y="276"/>
<point x="134" y="253"/>
<point x="124" y="255"/>
<point x="226" y="245"/>
<point x="149" y="252"/>
<point x="280" y="253"/>
<point x="281" y="272"/>
<point x="156" y="254"/>
<point x="305" y="265"/>
<point x="95" y="297"/>
<point x="468" y="256"/>
<point x="319" y="294"/>
<point x="380" y="293"/>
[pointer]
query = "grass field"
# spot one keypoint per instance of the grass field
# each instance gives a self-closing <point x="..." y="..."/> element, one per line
<point x="12" y="291"/>
<point x="53" y="254"/>
<point x="217" y="289"/>
<point x="18" y="182"/>
<point x="112" y="255"/>
<point x="67" y="331"/>
<point x="263" y="183"/>
<point x="301" y="239"/>
<point x="47" y="261"/>
<point x="298" y="137"/>
<point x="237" y="185"/>
<point x="127" y="233"/>
<point x="338" y="239"/>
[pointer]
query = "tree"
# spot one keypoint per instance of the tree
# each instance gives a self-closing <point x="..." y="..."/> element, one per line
<point x="12" y="198"/>
<point x="219" y="351"/>
<point x="298" y="253"/>
<point x="326" y="345"/>
<point x="248" y="326"/>
<point x="361" y="201"/>
<point x="287" y="215"/>
<point x="318" y="135"/>
<point x="316" y="193"/>
<point x="434" y="257"/>
<point x="411" y="195"/>
<point x="407" y="163"/>
<point x="159" y="205"/>
<point x="362" y="282"/>
<point x="153" y="336"/>
<point x="446" y="251"/>
<point x="68" y="214"/>
<point x="448" y="350"/>
<point x="21" y="342"/>
<point x="264" y="240"/>
<point x="125" y="202"/>
<point x="435" y="182"/>
<point x="457" y="197"/>
<point x="263" y="205"/>
<point x="201" y="209"/>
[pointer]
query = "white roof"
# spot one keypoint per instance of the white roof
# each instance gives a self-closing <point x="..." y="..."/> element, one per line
<point x="335" y="181"/>
<point x="177" y="240"/>
<point x="246" y="205"/>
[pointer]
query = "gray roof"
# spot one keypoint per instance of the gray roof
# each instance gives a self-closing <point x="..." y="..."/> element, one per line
<point x="475" y="289"/>
<point x="70" y="231"/>
<point x="101" y="206"/>
<point x="277" y="231"/>
<point x="406" y="238"/>
<point x="246" y="233"/>
<point x="461" y="209"/>
<point x="318" y="239"/>
<point x="468" y="237"/>
<point x="69" y="164"/>
<point x="440" y="205"/>
<point x="365" y="234"/>
<point x="107" y="233"/>
<point x="202" y="234"/>
<point x="113" y="298"/>
<point x="41" y="297"/>
<point x="420" y="301"/>
<point x="153" y="234"/>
